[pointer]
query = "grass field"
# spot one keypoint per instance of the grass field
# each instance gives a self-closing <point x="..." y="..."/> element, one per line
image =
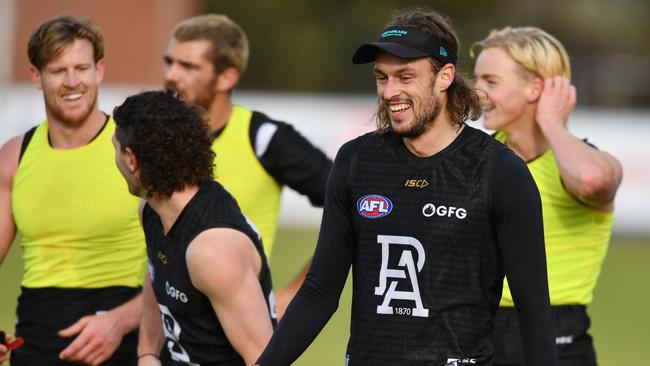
<point x="620" y="319"/>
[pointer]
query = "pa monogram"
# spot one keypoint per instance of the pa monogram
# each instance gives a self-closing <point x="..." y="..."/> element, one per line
<point x="407" y="270"/>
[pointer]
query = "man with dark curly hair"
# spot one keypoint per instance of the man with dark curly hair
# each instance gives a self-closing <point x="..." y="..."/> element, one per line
<point x="208" y="292"/>
<point x="430" y="213"/>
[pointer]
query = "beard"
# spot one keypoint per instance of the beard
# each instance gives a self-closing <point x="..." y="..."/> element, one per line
<point x="71" y="119"/>
<point x="424" y="117"/>
<point x="202" y="98"/>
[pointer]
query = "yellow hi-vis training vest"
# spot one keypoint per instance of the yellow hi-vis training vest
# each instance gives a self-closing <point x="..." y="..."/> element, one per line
<point x="576" y="237"/>
<point x="239" y="170"/>
<point x="78" y="223"/>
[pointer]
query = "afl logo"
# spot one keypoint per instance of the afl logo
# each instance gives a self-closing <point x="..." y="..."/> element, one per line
<point x="374" y="206"/>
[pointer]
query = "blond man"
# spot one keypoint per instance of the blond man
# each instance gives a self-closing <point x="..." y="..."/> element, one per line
<point x="524" y="75"/>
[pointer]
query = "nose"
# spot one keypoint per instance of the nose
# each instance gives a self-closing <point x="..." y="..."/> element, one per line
<point x="170" y="73"/>
<point x="71" y="79"/>
<point x="390" y="89"/>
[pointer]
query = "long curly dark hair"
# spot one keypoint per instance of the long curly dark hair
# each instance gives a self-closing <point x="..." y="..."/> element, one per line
<point x="169" y="138"/>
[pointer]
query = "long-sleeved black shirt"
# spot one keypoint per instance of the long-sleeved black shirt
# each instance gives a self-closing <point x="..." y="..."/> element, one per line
<point x="429" y="241"/>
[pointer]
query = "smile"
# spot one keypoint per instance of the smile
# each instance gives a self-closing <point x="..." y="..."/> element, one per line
<point x="398" y="107"/>
<point x="74" y="96"/>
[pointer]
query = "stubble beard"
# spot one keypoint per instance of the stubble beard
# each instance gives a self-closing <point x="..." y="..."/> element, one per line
<point x="422" y="121"/>
<point x="59" y="114"/>
<point x="203" y="98"/>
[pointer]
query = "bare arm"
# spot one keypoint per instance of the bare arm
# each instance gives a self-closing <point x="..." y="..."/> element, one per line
<point x="151" y="336"/>
<point x="234" y="290"/>
<point x="591" y="175"/>
<point x="98" y="336"/>
<point x="8" y="165"/>
<point x="284" y="296"/>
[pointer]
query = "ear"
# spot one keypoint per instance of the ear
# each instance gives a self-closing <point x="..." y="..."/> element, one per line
<point x="131" y="160"/>
<point x="445" y="77"/>
<point x="227" y="79"/>
<point x="100" y="67"/>
<point x="36" y="77"/>
<point x="534" y="90"/>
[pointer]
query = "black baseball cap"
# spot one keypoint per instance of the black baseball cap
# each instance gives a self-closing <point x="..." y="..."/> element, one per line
<point x="407" y="43"/>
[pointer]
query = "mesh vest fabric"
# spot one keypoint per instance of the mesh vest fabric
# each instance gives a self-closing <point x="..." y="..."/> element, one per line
<point x="193" y="332"/>
<point x="78" y="223"/>
<point x="240" y="172"/>
<point x="426" y="281"/>
<point x="576" y="237"/>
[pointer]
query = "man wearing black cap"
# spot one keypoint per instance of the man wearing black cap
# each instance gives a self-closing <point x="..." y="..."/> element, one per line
<point x="431" y="214"/>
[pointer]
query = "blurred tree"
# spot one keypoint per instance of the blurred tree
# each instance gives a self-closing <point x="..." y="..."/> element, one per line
<point x="307" y="45"/>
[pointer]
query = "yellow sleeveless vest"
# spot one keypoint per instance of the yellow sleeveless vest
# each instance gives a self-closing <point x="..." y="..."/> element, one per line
<point x="576" y="237"/>
<point x="239" y="170"/>
<point x="78" y="223"/>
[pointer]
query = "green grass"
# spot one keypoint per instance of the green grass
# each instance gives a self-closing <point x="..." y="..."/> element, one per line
<point x="620" y="320"/>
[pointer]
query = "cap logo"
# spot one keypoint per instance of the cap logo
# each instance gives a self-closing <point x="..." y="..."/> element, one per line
<point x="443" y="52"/>
<point x="394" y="33"/>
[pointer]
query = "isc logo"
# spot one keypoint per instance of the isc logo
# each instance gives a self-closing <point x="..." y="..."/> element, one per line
<point x="418" y="183"/>
<point x="374" y="206"/>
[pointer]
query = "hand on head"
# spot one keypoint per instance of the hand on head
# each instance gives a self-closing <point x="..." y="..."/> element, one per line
<point x="557" y="100"/>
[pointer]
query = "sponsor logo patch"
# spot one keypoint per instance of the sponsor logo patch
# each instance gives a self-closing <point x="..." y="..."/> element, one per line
<point x="444" y="211"/>
<point x="417" y="183"/>
<point x="374" y="206"/>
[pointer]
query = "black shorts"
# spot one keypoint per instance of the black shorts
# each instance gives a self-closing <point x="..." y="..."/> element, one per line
<point x="43" y="312"/>
<point x="571" y="323"/>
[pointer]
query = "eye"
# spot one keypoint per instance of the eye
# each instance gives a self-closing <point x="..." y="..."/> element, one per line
<point x="406" y="77"/>
<point x="380" y="78"/>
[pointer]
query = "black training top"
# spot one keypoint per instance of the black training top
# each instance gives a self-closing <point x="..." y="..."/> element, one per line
<point x="429" y="241"/>
<point x="193" y="334"/>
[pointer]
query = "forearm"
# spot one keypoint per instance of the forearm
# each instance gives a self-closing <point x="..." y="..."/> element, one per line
<point x="284" y="296"/>
<point x="127" y="315"/>
<point x="151" y="336"/>
<point x="591" y="174"/>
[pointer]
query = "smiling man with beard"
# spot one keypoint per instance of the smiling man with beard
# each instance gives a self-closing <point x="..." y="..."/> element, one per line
<point x="83" y="247"/>
<point x="428" y="259"/>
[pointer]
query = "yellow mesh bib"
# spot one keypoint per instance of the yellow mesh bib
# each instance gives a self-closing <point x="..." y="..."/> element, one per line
<point x="77" y="220"/>
<point x="239" y="170"/>
<point x="576" y="237"/>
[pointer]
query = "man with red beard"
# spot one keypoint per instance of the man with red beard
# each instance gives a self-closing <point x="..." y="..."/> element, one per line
<point x="430" y="213"/>
<point x="60" y="190"/>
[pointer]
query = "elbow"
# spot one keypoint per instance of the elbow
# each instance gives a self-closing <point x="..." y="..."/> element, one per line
<point x="598" y="186"/>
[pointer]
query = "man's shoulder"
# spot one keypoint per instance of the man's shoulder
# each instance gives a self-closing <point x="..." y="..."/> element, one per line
<point x="9" y="158"/>
<point x="10" y="154"/>
<point x="258" y="119"/>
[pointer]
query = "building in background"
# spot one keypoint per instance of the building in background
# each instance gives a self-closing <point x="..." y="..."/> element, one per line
<point x="135" y="33"/>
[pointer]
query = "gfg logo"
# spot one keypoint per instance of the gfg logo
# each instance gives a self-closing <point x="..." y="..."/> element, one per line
<point x="374" y="206"/>
<point x="174" y="293"/>
<point x="443" y="211"/>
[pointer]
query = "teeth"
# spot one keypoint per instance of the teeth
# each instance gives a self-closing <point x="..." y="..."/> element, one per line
<point x="72" y="96"/>
<point x="398" y="107"/>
